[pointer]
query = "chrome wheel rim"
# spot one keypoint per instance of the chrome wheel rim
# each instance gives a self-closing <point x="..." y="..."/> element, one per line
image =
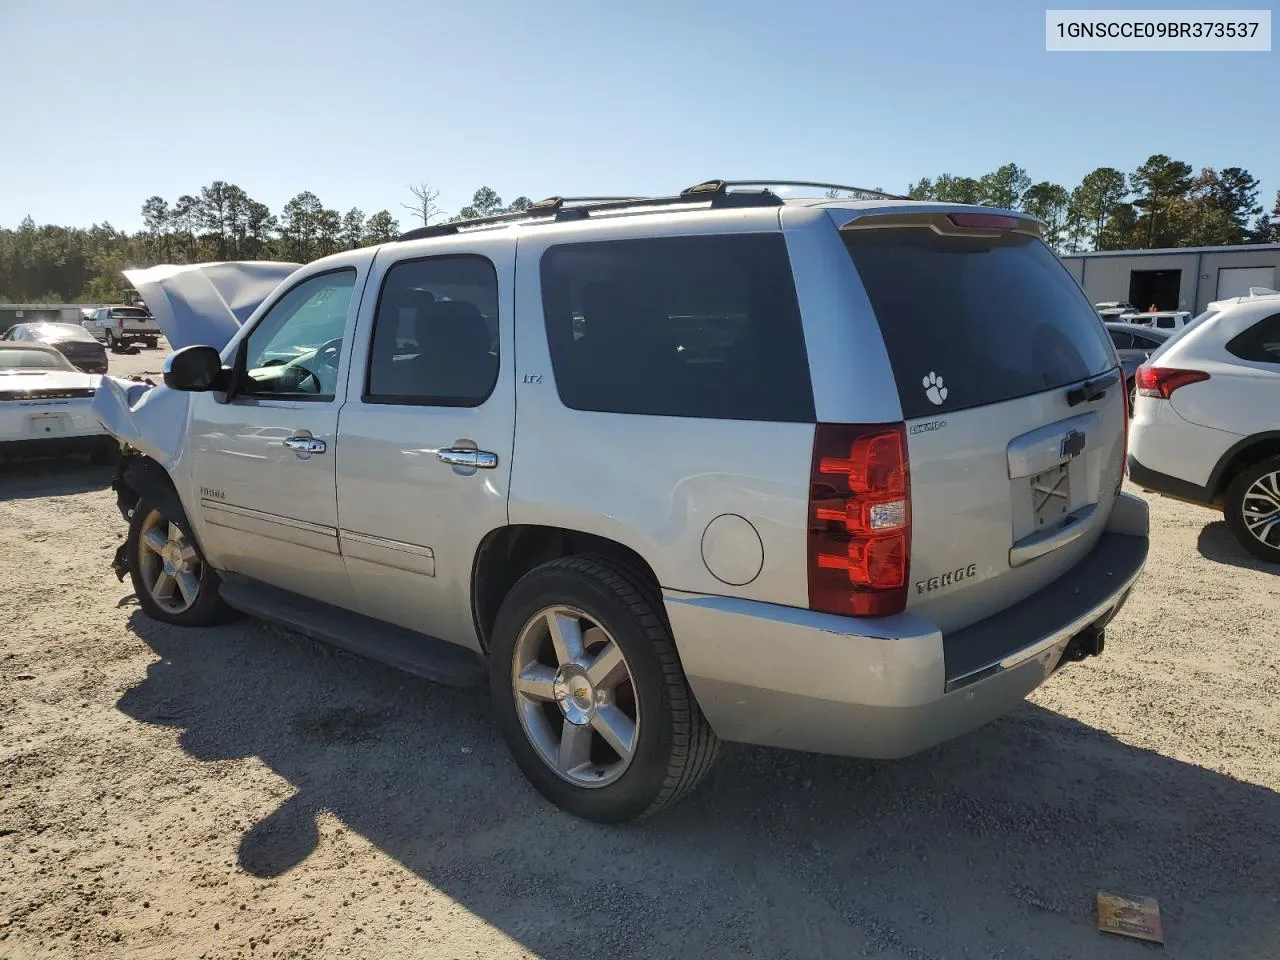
<point x="575" y="696"/>
<point x="169" y="565"/>
<point x="1261" y="509"/>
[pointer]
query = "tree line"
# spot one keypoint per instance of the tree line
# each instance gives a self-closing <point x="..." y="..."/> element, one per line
<point x="56" y="264"/>
<point x="1163" y="203"/>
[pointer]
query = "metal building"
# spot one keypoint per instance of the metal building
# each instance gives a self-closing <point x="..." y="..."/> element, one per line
<point x="1182" y="278"/>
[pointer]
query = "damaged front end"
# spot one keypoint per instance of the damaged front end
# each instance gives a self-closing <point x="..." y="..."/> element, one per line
<point x="204" y="303"/>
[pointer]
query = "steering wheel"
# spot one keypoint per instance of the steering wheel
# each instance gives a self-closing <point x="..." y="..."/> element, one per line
<point x="330" y="352"/>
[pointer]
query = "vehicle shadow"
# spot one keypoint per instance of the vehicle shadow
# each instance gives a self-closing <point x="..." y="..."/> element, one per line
<point x="994" y="844"/>
<point x="1216" y="542"/>
<point x="31" y="479"/>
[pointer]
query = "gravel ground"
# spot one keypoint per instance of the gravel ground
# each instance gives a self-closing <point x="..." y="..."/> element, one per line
<point x="244" y="792"/>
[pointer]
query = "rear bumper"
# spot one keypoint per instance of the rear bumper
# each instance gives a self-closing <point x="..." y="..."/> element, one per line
<point x="57" y="446"/>
<point x="1167" y="485"/>
<point x="892" y="686"/>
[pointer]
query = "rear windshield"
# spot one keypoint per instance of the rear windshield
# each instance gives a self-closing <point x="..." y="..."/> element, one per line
<point x="969" y="321"/>
<point x="12" y="359"/>
<point x="130" y="313"/>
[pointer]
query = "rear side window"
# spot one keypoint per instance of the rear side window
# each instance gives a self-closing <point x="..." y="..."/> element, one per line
<point x="1121" y="339"/>
<point x="969" y="321"/>
<point x="435" y="335"/>
<point x="704" y="326"/>
<point x="1260" y="343"/>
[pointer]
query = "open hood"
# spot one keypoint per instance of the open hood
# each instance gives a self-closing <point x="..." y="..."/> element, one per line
<point x="206" y="302"/>
<point x="194" y="303"/>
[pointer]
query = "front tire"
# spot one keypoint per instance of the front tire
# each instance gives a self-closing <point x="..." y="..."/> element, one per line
<point x="1252" y="509"/>
<point x="170" y="577"/>
<point x="590" y="694"/>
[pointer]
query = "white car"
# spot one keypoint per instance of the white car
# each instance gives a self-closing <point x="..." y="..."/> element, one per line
<point x="1206" y="423"/>
<point x="1161" y="320"/>
<point x="46" y="406"/>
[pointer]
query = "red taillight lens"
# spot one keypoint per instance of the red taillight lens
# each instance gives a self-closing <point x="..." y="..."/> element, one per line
<point x="859" y="519"/>
<point x="1162" y="381"/>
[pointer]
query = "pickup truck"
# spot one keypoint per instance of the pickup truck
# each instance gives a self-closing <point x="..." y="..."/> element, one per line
<point x="122" y="325"/>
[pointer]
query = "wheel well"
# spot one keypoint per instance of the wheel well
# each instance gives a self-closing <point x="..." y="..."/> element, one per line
<point x="1240" y="457"/>
<point x="508" y="553"/>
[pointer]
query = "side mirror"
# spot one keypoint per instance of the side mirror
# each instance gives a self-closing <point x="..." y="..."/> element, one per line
<point x="194" y="369"/>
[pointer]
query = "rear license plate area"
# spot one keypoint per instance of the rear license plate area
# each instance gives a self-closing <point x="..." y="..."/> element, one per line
<point x="1051" y="496"/>
<point x="47" y="424"/>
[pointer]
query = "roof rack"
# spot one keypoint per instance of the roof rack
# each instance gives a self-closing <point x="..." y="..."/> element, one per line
<point x="877" y="194"/>
<point x="715" y="193"/>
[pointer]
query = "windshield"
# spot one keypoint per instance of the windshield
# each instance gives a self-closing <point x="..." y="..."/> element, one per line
<point x="61" y="331"/>
<point x="11" y="359"/>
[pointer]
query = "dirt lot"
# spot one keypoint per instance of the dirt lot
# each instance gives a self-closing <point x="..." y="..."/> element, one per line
<point x="244" y="792"/>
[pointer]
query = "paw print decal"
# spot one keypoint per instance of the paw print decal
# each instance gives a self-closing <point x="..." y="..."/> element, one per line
<point x="934" y="388"/>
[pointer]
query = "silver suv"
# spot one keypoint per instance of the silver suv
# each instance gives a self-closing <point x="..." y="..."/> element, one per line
<point x="831" y="475"/>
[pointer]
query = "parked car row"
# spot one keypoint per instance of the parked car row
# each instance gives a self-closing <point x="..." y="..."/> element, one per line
<point x="73" y="342"/>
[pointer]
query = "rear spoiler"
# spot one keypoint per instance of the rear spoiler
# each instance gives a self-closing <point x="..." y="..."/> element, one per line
<point x="206" y="303"/>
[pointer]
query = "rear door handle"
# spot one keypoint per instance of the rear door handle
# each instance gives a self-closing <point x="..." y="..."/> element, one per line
<point x="307" y="445"/>
<point x="466" y="457"/>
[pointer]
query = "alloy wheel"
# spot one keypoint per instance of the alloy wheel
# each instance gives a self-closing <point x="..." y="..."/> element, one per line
<point x="1260" y="509"/>
<point x="169" y="564"/>
<point x="575" y="696"/>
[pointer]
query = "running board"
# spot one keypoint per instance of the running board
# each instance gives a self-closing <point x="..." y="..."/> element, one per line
<point x="387" y="643"/>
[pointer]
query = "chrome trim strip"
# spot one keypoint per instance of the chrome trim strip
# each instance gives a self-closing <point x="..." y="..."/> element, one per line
<point x="1059" y="636"/>
<point x="248" y="513"/>
<point x="387" y="553"/>
<point x="1042" y="542"/>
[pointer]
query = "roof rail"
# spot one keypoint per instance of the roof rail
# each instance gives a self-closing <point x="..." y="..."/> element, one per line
<point x="715" y="193"/>
<point x="875" y="194"/>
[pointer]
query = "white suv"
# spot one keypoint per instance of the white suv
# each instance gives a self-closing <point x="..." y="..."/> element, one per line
<point x="831" y="475"/>
<point x="1206" y="424"/>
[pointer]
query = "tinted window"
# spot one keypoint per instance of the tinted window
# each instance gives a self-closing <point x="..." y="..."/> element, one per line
<point x="130" y="313"/>
<point x="1122" y="340"/>
<point x="295" y="349"/>
<point x="1260" y="343"/>
<point x="996" y="318"/>
<point x="701" y="327"/>
<point x="435" y="335"/>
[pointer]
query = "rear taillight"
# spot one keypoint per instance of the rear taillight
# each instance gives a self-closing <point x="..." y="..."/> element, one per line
<point x="859" y="519"/>
<point x="1162" y="381"/>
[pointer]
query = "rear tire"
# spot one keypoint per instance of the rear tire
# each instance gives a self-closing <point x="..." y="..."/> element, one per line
<point x="1252" y="509"/>
<point x="113" y="344"/>
<point x="667" y="746"/>
<point x="172" y="582"/>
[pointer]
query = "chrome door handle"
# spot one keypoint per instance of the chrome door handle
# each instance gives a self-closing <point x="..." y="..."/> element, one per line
<point x="466" y="457"/>
<point x="305" y="444"/>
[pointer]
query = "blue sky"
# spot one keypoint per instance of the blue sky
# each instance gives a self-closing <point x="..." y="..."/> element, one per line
<point x="105" y="104"/>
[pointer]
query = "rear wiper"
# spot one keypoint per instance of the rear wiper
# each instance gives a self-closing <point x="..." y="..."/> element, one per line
<point x="1091" y="390"/>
